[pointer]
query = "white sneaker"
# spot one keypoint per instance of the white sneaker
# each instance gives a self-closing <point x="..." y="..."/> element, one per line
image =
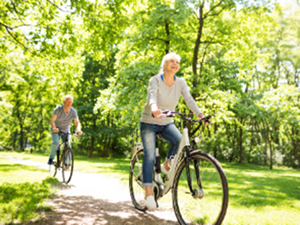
<point x="163" y="168"/>
<point x="150" y="202"/>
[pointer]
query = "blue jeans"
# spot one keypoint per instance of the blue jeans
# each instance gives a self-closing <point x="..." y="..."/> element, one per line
<point x="170" y="133"/>
<point x="55" y="143"/>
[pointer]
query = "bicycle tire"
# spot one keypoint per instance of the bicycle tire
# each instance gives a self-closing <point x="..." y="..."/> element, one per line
<point x="212" y="207"/>
<point x="67" y="165"/>
<point x="137" y="192"/>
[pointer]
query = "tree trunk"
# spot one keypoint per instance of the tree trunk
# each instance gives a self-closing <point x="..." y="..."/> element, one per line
<point x="22" y="138"/>
<point x="241" y="143"/>
<point x="21" y="125"/>
<point x="167" y="28"/>
<point x="91" y="147"/>
<point x="270" y="146"/>
<point x="93" y="138"/>
<point x="233" y="143"/>
<point x="295" y="143"/>
<point x="15" y="139"/>
<point x="266" y="148"/>
<point x="197" y="43"/>
<point x="251" y="139"/>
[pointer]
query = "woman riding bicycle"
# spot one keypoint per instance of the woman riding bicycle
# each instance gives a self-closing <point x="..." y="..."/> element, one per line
<point x="164" y="91"/>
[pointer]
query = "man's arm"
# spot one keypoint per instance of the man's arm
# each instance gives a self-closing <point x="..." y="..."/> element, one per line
<point x="78" y="127"/>
<point x="52" y="123"/>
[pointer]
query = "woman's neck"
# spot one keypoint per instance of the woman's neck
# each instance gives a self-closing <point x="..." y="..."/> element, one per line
<point x="169" y="76"/>
<point x="169" y="79"/>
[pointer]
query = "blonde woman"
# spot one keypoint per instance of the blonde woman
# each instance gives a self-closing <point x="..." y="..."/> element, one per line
<point x="164" y="91"/>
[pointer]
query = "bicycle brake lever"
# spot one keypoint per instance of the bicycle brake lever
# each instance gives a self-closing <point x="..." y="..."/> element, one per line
<point x="207" y="119"/>
<point x="168" y="113"/>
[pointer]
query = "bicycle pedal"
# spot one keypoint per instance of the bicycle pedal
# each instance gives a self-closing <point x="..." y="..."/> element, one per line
<point x="165" y="178"/>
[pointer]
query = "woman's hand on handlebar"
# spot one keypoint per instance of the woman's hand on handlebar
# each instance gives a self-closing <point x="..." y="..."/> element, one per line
<point x="204" y="122"/>
<point x="156" y="112"/>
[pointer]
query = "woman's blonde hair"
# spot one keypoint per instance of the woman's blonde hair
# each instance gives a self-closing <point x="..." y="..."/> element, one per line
<point x="166" y="58"/>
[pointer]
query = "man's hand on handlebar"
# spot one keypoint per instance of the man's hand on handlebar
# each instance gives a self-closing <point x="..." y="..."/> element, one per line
<point x="79" y="132"/>
<point x="55" y="130"/>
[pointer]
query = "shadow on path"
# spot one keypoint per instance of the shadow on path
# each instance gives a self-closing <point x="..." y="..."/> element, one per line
<point x="96" y="199"/>
<point x="88" y="210"/>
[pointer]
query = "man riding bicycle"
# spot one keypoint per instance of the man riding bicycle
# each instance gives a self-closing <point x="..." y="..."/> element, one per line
<point x="61" y="120"/>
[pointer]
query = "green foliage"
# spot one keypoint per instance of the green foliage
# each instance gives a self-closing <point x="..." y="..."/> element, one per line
<point x="240" y="58"/>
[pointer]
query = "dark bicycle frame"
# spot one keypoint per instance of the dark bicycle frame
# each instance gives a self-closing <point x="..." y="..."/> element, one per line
<point x="66" y="146"/>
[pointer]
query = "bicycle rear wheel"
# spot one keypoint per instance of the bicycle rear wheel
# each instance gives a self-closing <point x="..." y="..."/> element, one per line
<point x="210" y="205"/>
<point x="67" y="165"/>
<point x="137" y="192"/>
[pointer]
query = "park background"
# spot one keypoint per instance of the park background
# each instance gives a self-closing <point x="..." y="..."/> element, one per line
<point x="241" y="59"/>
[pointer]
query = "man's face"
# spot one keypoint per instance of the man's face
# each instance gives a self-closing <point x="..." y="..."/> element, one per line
<point x="68" y="103"/>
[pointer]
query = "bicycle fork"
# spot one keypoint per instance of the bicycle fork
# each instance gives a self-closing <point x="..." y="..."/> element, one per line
<point x="57" y="155"/>
<point x="196" y="193"/>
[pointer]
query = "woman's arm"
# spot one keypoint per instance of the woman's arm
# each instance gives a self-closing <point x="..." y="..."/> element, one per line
<point x="189" y="100"/>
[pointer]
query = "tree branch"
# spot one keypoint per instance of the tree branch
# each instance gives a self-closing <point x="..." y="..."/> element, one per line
<point x="218" y="13"/>
<point x="56" y="6"/>
<point x="14" y="6"/>
<point x="205" y="51"/>
<point x="206" y="14"/>
<point x="24" y="25"/>
<point x="7" y="28"/>
<point x="211" y="42"/>
<point x="196" y="15"/>
<point x="15" y="11"/>
<point x="160" y="39"/>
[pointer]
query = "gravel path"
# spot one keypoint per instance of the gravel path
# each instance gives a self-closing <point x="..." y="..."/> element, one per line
<point x="92" y="198"/>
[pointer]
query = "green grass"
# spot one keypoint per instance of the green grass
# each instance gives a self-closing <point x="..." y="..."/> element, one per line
<point x="118" y="168"/>
<point x="23" y="191"/>
<point x="257" y="195"/>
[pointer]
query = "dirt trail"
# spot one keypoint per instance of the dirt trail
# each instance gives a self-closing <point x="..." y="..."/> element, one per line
<point x="92" y="198"/>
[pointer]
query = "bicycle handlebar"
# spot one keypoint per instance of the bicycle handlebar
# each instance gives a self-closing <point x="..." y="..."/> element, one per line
<point x="173" y="113"/>
<point x="67" y="133"/>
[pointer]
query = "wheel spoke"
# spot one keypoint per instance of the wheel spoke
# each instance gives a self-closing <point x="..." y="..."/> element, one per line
<point x="207" y="209"/>
<point x="67" y="166"/>
<point x="136" y="181"/>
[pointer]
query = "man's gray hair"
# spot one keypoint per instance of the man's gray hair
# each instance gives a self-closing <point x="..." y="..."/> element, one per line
<point x="166" y="58"/>
<point x="67" y="96"/>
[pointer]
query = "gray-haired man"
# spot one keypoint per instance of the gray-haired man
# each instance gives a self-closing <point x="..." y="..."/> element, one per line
<point x="61" y="119"/>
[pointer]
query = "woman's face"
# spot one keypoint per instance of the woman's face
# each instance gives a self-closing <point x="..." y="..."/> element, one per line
<point x="172" y="65"/>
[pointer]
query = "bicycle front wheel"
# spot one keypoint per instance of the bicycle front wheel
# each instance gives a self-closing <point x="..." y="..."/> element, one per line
<point x="210" y="203"/>
<point x="52" y="170"/>
<point x="137" y="192"/>
<point x="67" y="165"/>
